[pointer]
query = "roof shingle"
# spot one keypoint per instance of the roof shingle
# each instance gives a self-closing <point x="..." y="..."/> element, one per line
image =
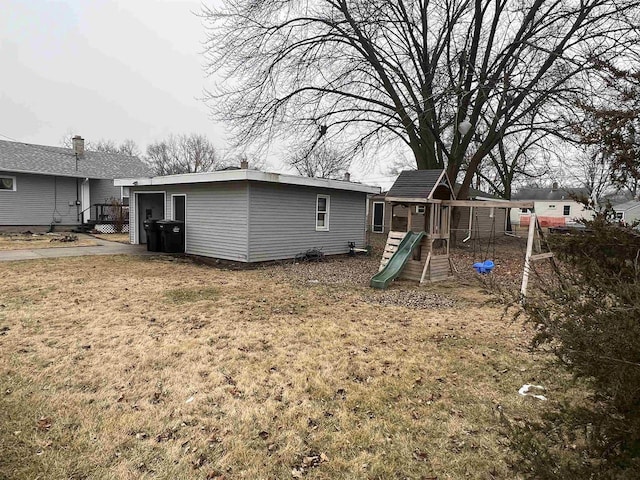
<point x="46" y="160"/>
<point x="549" y="193"/>
<point x="415" y="183"/>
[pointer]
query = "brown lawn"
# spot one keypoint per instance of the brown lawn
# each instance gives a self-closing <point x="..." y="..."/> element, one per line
<point x="128" y="368"/>
<point x="21" y="241"/>
<point x="114" y="237"/>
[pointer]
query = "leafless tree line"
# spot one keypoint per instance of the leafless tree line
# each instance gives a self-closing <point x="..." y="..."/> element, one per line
<point x="367" y="72"/>
<point x="173" y="155"/>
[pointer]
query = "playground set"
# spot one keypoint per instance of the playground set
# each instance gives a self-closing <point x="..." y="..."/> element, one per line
<point x="422" y="252"/>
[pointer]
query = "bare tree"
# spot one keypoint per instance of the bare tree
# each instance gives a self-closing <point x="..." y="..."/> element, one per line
<point x="611" y="127"/>
<point x="127" y="147"/>
<point x="183" y="154"/>
<point x="590" y="169"/>
<point x="377" y="71"/>
<point x="320" y="162"/>
<point x="516" y="159"/>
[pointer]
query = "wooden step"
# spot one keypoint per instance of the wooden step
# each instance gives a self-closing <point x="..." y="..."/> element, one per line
<point x="391" y="247"/>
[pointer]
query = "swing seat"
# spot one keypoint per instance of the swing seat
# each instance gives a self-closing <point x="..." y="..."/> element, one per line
<point x="484" y="267"/>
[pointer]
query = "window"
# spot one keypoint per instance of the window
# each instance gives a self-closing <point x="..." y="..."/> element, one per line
<point x="322" y="213"/>
<point x="566" y="210"/>
<point x="524" y="210"/>
<point x="8" y="184"/>
<point x="619" y="215"/>
<point x="421" y="209"/>
<point x="378" y="217"/>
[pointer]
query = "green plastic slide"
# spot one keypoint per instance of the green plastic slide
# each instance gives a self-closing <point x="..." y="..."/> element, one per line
<point x="397" y="262"/>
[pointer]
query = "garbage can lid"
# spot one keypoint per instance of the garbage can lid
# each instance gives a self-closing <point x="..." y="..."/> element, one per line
<point x="170" y="222"/>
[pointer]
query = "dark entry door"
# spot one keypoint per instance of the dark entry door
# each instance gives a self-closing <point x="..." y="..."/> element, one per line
<point x="378" y="217"/>
<point x="150" y="205"/>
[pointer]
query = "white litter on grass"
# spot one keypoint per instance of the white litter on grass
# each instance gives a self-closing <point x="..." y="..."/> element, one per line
<point x="190" y="399"/>
<point x="534" y="391"/>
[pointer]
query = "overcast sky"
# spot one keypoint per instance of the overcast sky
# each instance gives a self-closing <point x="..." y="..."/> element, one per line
<point x="111" y="69"/>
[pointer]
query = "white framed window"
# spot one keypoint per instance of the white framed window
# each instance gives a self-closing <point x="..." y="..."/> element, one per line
<point x="323" y="205"/>
<point x="421" y="209"/>
<point x="566" y="210"/>
<point x="619" y="215"/>
<point x="179" y="207"/>
<point x="7" y="184"/>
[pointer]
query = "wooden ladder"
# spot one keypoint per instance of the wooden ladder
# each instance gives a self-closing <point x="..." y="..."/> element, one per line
<point x="393" y="240"/>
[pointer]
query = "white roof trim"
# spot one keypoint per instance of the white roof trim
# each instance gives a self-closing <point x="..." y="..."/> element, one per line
<point x="236" y="175"/>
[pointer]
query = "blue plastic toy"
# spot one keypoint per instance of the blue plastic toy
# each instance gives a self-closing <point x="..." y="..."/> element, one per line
<point x="484" y="267"/>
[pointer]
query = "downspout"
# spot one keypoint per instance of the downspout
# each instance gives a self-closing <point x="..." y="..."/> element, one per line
<point x="77" y="201"/>
<point x="470" y="225"/>
<point x="78" y="204"/>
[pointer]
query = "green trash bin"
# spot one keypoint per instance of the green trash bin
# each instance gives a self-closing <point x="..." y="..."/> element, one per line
<point x="171" y="236"/>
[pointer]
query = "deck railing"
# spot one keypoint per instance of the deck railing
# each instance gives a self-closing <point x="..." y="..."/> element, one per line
<point x="110" y="213"/>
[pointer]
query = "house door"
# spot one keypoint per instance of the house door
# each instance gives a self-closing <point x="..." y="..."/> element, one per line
<point x="85" y="200"/>
<point x="378" y="217"/>
<point x="149" y="206"/>
<point x="179" y="207"/>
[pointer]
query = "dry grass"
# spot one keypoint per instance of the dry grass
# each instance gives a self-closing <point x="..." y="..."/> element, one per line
<point x="21" y="241"/>
<point x="114" y="237"/>
<point x="127" y="368"/>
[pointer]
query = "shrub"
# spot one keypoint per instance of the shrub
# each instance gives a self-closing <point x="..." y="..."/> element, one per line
<point x="118" y="214"/>
<point x="588" y="315"/>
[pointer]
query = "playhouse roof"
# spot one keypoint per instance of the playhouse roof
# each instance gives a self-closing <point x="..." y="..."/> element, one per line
<point x="418" y="184"/>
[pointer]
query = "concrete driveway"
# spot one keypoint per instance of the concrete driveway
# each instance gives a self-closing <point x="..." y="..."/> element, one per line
<point x="103" y="247"/>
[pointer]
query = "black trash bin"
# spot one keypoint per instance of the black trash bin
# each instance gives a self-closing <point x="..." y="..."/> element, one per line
<point x="171" y="236"/>
<point x="153" y="235"/>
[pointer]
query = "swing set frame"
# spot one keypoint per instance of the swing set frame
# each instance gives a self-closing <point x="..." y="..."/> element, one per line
<point x="534" y="228"/>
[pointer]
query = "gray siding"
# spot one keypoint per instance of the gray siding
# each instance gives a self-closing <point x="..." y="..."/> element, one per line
<point x="102" y="191"/>
<point x="133" y="218"/>
<point x="632" y="215"/>
<point x="39" y="200"/>
<point x="482" y="226"/>
<point x="216" y="217"/>
<point x="282" y="221"/>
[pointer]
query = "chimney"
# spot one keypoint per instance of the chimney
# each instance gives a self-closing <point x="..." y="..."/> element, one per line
<point x="554" y="186"/>
<point x="78" y="145"/>
<point x="244" y="164"/>
<point x="347" y="177"/>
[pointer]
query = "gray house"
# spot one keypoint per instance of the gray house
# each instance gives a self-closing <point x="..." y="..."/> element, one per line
<point x="43" y="186"/>
<point x="628" y="212"/>
<point x="251" y="216"/>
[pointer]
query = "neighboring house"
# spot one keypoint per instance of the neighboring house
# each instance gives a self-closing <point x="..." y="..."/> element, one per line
<point x="252" y="216"/>
<point x="628" y="212"/>
<point x="42" y="186"/>
<point x="382" y="219"/>
<point x="553" y="206"/>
